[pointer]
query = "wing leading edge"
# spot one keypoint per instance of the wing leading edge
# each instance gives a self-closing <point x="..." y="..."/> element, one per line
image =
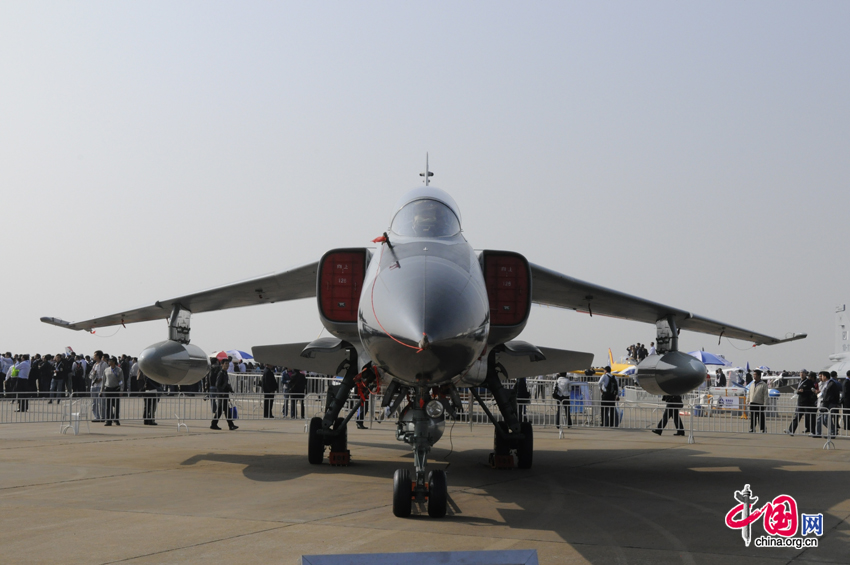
<point x="554" y="289"/>
<point x="292" y="284"/>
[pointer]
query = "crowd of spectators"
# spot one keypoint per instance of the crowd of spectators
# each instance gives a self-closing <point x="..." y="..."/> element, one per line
<point x="52" y="377"/>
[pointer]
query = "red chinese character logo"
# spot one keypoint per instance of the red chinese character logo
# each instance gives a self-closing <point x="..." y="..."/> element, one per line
<point x="779" y="515"/>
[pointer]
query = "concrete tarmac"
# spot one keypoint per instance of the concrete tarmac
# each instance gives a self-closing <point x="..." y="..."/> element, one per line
<point x="141" y="494"/>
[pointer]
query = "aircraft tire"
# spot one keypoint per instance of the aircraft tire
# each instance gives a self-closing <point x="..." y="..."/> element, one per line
<point x="402" y="493"/>
<point x="437" y="494"/>
<point x="501" y="446"/>
<point x="340" y="442"/>
<point x="315" y="442"/>
<point x="525" y="448"/>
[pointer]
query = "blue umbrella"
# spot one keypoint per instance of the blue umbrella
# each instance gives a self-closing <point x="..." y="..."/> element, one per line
<point x="239" y="354"/>
<point x="709" y="358"/>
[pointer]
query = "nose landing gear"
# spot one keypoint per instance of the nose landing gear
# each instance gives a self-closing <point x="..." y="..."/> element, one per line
<point x="421" y="430"/>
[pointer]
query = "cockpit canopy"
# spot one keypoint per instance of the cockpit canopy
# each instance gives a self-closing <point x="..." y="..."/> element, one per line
<point x="426" y="212"/>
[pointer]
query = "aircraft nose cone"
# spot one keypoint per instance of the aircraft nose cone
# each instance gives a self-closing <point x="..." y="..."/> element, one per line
<point x="427" y="319"/>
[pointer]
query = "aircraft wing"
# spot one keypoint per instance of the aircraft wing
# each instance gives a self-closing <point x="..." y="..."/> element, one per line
<point x="556" y="361"/>
<point x="554" y="289"/>
<point x="299" y="282"/>
<point x="289" y="355"/>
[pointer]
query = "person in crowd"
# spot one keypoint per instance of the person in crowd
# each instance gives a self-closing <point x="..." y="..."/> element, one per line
<point x="561" y="393"/>
<point x="671" y="412"/>
<point x="126" y="382"/>
<point x="60" y="378"/>
<point x="360" y="392"/>
<point x="21" y="373"/>
<point x="830" y="400"/>
<point x="212" y="377"/>
<point x="845" y="401"/>
<point x="297" y="389"/>
<point x="151" y="391"/>
<point x="242" y="367"/>
<point x="749" y="378"/>
<point x="136" y="376"/>
<point x="807" y="398"/>
<point x="113" y="378"/>
<point x="222" y="394"/>
<point x="136" y="382"/>
<point x="284" y="388"/>
<point x="35" y="377"/>
<point x="523" y="396"/>
<point x="5" y="364"/>
<point x="46" y="375"/>
<point x="721" y="378"/>
<point x="269" y="390"/>
<point x="610" y="390"/>
<point x="539" y="387"/>
<point x="652" y="350"/>
<point x="98" y="371"/>
<point x="757" y="401"/>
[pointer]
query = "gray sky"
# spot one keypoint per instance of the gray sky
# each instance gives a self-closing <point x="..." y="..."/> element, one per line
<point x="693" y="154"/>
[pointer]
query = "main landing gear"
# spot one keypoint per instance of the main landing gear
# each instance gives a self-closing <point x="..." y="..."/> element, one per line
<point x="510" y="435"/>
<point x="332" y="430"/>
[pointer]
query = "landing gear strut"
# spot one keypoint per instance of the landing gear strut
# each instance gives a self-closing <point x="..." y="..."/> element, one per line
<point x="420" y="425"/>
<point x="331" y="430"/>
<point x="510" y="434"/>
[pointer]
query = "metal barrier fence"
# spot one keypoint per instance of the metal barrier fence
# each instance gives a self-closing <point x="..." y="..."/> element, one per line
<point x="698" y="414"/>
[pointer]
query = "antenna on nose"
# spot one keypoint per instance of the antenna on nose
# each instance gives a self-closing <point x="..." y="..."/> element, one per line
<point x="427" y="174"/>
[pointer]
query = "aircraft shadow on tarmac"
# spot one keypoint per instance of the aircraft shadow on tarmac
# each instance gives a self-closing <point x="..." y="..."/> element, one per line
<point x="602" y="501"/>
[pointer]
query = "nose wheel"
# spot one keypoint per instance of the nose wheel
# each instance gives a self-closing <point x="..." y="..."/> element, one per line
<point x="437" y="494"/>
<point x="402" y="493"/>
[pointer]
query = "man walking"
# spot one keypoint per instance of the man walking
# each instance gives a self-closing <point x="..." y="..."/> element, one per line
<point x="222" y="394"/>
<point x="806" y="400"/>
<point x="671" y="412"/>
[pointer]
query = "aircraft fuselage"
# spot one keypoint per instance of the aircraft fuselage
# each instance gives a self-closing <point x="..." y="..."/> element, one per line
<point x="424" y="314"/>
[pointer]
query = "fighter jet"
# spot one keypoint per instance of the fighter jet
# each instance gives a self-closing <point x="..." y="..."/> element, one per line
<point x="423" y="314"/>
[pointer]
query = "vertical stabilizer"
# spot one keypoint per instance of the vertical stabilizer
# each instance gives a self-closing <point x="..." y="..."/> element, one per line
<point x="842" y="328"/>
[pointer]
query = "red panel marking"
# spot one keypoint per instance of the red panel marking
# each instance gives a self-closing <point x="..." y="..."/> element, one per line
<point x="341" y="283"/>
<point x="506" y="277"/>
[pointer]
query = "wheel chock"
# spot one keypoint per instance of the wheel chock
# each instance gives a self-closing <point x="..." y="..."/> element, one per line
<point x="340" y="458"/>
<point x="501" y="461"/>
